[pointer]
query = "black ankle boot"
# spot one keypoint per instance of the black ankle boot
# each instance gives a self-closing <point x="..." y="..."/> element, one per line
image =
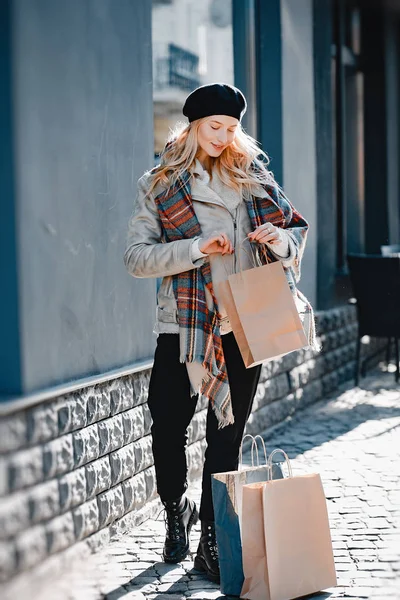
<point x="207" y="553"/>
<point x="181" y="515"/>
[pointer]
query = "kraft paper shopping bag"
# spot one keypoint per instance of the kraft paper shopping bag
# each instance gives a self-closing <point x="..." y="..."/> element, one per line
<point x="255" y="567"/>
<point x="295" y="557"/>
<point x="263" y="313"/>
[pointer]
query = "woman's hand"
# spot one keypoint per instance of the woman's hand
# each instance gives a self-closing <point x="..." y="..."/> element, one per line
<point x="266" y="234"/>
<point x="217" y="243"/>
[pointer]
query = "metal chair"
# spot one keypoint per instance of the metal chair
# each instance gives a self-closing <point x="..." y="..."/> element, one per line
<point x="376" y="285"/>
<point x="390" y="250"/>
<point x="394" y="249"/>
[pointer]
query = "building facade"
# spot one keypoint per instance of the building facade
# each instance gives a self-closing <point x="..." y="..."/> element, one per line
<point x="92" y="90"/>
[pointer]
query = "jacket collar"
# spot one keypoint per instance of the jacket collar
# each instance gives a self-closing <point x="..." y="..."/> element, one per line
<point x="212" y="190"/>
<point x="200" y="173"/>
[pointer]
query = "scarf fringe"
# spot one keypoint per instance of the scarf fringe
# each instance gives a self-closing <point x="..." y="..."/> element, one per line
<point x="224" y="414"/>
<point x="223" y="411"/>
<point x="308" y="322"/>
<point x="312" y="333"/>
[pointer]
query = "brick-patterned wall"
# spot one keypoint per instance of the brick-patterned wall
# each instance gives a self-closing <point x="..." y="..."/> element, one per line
<point x="301" y="378"/>
<point x="80" y="467"/>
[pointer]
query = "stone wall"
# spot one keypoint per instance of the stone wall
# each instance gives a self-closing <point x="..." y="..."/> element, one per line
<point x="80" y="468"/>
<point x="300" y="378"/>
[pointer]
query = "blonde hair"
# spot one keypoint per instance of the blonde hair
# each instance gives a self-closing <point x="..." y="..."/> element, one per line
<point x="241" y="164"/>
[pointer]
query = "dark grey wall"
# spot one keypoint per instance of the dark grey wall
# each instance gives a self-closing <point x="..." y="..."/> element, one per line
<point x="392" y="71"/>
<point x="10" y="363"/>
<point x="269" y="82"/>
<point x="375" y="130"/>
<point x="83" y="135"/>
<point x="324" y="134"/>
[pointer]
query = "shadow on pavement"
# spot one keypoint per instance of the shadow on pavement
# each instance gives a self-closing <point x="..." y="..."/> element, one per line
<point x="377" y="398"/>
<point x="157" y="575"/>
<point x="148" y="578"/>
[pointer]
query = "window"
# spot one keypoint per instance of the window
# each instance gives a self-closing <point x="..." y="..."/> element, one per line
<point x="192" y="46"/>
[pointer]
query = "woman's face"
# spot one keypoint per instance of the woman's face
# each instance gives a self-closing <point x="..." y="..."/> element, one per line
<point x="215" y="134"/>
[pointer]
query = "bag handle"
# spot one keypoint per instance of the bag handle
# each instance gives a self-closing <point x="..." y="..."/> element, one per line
<point x="287" y="459"/>
<point x="254" y="258"/>
<point x="263" y="447"/>
<point x="254" y="450"/>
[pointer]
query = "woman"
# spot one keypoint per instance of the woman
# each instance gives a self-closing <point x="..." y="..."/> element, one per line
<point x="211" y="191"/>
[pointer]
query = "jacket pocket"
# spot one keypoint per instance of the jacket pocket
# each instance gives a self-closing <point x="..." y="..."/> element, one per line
<point x="166" y="316"/>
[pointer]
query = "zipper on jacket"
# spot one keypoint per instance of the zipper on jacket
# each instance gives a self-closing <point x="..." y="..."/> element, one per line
<point x="234" y="218"/>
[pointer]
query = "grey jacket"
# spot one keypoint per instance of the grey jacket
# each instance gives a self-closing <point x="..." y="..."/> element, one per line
<point x="218" y="209"/>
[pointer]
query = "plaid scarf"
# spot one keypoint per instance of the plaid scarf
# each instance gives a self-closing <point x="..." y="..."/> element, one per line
<point x="200" y="339"/>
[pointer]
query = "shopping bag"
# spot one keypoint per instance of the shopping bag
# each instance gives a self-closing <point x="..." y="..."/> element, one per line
<point x="227" y="501"/>
<point x="287" y="547"/>
<point x="262" y="312"/>
<point x="255" y="569"/>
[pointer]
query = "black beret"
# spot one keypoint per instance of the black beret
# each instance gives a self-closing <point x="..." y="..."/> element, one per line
<point x="215" y="99"/>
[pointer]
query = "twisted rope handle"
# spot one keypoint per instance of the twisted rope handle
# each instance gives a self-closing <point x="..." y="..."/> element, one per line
<point x="253" y="449"/>
<point x="254" y="258"/>
<point x="263" y="447"/>
<point x="287" y="459"/>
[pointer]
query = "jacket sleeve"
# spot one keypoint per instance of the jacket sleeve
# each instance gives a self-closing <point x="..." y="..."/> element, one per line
<point x="296" y="228"/>
<point x="146" y="255"/>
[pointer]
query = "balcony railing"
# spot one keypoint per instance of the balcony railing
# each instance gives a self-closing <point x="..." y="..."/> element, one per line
<point x="174" y="67"/>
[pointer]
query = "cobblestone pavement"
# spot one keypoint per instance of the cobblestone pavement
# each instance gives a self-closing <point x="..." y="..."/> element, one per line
<point x="353" y="440"/>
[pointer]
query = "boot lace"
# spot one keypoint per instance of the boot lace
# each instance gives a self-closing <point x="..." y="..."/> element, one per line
<point x="171" y="519"/>
<point x="212" y="543"/>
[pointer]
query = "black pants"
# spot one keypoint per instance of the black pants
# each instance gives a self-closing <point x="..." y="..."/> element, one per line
<point x="172" y="409"/>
